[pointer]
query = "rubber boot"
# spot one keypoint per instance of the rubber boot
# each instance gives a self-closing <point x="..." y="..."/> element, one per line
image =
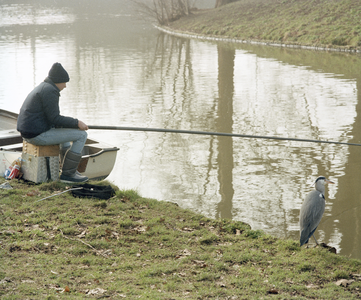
<point x="62" y="153"/>
<point x="69" y="170"/>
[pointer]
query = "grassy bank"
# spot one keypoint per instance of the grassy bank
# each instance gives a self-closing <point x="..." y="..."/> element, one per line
<point x="131" y="247"/>
<point x="319" y="23"/>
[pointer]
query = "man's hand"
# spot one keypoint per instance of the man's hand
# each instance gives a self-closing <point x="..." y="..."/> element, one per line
<point x="82" y="125"/>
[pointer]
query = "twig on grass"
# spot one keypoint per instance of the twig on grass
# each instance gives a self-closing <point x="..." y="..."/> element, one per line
<point x="78" y="240"/>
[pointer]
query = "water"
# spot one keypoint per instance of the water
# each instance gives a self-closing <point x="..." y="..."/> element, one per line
<point x="124" y="72"/>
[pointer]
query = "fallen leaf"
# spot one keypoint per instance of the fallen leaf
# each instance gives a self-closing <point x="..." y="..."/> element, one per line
<point x="82" y="234"/>
<point x="225" y="244"/>
<point x="5" y="280"/>
<point x="66" y="290"/>
<point x="33" y="193"/>
<point x="200" y="263"/>
<point x="344" y="282"/>
<point x="183" y="253"/>
<point x="97" y="291"/>
<point x="107" y="252"/>
<point x="55" y="287"/>
<point x="141" y="229"/>
<point x="27" y="281"/>
<point x="116" y="234"/>
<point x="186" y="229"/>
<point x="273" y="291"/>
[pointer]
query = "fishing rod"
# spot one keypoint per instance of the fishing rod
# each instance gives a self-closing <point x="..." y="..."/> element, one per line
<point x="217" y="134"/>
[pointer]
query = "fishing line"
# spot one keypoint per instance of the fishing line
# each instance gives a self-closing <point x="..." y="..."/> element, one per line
<point x="218" y="134"/>
<point x="73" y="189"/>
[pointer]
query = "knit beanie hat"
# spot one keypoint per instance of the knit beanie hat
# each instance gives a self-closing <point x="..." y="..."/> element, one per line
<point x="57" y="74"/>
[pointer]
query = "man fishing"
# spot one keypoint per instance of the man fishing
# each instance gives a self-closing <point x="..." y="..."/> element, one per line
<point x="40" y="123"/>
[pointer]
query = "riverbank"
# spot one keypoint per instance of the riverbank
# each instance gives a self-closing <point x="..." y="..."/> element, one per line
<point x="132" y="247"/>
<point x="307" y="24"/>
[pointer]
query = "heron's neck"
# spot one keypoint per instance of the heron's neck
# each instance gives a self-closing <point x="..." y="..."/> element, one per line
<point x="320" y="187"/>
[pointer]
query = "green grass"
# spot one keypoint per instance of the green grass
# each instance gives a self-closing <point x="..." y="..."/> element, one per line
<point x="136" y="248"/>
<point x="321" y="23"/>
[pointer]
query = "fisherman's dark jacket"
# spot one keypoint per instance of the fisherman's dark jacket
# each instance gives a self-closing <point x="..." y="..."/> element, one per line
<point x="40" y="111"/>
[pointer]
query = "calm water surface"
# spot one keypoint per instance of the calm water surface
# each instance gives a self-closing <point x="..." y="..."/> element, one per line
<point x="124" y="72"/>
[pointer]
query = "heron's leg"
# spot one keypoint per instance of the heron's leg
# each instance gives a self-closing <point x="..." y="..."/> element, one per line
<point x="315" y="239"/>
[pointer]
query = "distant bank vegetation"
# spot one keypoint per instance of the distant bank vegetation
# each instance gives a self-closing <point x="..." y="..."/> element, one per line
<point x="328" y="23"/>
<point x="165" y="11"/>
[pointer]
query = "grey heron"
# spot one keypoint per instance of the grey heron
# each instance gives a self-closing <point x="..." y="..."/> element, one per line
<point x="312" y="210"/>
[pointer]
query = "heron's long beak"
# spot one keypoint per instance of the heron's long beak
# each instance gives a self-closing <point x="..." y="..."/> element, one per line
<point x="329" y="181"/>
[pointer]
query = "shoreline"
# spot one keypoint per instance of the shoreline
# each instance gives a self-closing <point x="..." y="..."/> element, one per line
<point x="177" y="33"/>
<point x="132" y="247"/>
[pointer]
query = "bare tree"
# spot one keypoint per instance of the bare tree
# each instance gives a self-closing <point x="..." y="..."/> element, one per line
<point x="165" y="11"/>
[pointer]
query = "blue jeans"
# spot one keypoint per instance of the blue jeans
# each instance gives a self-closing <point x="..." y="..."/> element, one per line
<point x="65" y="137"/>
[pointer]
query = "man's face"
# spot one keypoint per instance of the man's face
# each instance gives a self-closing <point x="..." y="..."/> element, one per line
<point x="61" y="85"/>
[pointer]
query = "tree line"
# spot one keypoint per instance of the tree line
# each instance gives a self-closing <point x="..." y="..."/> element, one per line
<point x="166" y="11"/>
